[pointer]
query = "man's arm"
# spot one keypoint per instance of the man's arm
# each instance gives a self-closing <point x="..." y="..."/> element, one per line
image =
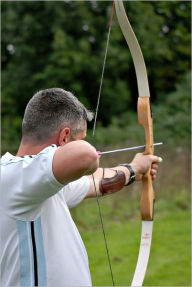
<point x="74" y="160"/>
<point x="140" y="164"/>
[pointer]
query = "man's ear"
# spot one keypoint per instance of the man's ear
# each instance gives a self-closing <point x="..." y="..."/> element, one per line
<point x="64" y="136"/>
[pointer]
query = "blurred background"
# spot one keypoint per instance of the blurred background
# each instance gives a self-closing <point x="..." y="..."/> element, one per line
<point x="61" y="44"/>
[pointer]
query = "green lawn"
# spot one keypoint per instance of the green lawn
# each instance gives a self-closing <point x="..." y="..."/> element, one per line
<point x="169" y="264"/>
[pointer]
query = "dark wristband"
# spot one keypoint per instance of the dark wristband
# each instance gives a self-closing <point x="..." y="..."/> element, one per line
<point x="132" y="174"/>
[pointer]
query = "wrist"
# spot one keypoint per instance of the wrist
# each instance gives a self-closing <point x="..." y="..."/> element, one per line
<point x="132" y="174"/>
<point x="135" y="168"/>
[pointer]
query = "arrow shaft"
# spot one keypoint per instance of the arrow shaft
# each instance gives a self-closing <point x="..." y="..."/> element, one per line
<point x="127" y="148"/>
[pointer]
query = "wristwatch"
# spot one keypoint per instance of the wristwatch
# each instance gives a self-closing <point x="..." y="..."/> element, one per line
<point x="132" y="174"/>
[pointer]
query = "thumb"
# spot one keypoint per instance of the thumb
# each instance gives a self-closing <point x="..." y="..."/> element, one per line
<point x="156" y="159"/>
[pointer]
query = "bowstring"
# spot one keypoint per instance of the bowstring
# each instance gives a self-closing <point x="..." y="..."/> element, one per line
<point x="103" y="70"/>
<point x="103" y="231"/>
<point x="93" y="137"/>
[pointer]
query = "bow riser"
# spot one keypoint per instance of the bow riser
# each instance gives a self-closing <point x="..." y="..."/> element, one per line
<point x="145" y="119"/>
<point x="147" y="196"/>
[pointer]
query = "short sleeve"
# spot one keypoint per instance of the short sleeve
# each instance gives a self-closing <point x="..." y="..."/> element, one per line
<point x="26" y="182"/>
<point x="76" y="191"/>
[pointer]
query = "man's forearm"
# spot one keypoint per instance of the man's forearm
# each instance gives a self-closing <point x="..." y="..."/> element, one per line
<point x="110" y="173"/>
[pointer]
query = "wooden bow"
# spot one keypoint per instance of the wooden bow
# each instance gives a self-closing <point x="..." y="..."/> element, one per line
<point x="145" y="119"/>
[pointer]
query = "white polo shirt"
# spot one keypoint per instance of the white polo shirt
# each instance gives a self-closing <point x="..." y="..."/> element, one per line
<point x="39" y="242"/>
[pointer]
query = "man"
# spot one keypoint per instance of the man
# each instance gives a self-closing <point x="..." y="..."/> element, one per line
<point x="40" y="244"/>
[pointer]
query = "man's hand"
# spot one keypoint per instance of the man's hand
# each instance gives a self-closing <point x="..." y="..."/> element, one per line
<point x="142" y="163"/>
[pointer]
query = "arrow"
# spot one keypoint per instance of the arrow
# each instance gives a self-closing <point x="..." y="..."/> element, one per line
<point x="125" y="149"/>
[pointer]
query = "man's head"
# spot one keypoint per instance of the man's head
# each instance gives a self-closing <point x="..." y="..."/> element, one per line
<point x="54" y="113"/>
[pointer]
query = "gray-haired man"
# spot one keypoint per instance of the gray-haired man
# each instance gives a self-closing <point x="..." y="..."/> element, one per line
<point x="40" y="244"/>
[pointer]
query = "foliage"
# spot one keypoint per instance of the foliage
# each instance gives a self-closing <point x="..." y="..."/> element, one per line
<point x="175" y="113"/>
<point x="62" y="44"/>
<point x="171" y="121"/>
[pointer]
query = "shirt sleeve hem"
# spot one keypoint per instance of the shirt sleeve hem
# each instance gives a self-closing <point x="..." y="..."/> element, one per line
<point x="53" y="180"/>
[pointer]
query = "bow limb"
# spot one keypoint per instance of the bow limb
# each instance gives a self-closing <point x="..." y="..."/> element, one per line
<point x="145" y="119"/>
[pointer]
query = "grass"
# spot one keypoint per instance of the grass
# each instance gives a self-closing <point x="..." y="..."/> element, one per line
<point x="170" y="258"/>
<point x="169" y="263"/>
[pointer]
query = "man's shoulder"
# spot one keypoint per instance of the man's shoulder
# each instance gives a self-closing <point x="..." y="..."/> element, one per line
<point x="9" y="158"/>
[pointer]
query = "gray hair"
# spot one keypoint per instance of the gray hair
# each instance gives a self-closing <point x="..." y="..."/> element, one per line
<point x="50" y="110"/>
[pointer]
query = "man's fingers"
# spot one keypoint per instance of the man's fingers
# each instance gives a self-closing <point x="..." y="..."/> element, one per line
<point x="153" y="171"/>
<point x="154" y="166"/>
